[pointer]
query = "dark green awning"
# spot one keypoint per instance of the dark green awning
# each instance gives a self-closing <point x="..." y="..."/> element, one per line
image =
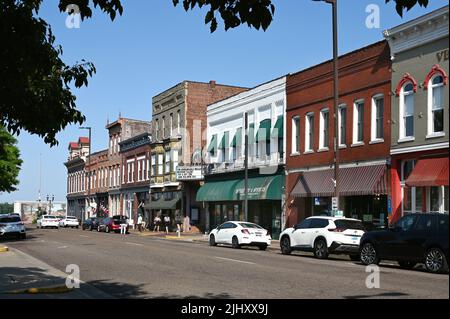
<point x="278" y="128"/>
<point x="251" y="133"/>
<point x="164" y="204"/>
<point x="225" y="141"/>
<point x="259" y="188"/>
<point x="213" y="144"/>
<point x="237" y="139"/>
<point x="216" y="191"/>
<point x="263" y="133"/>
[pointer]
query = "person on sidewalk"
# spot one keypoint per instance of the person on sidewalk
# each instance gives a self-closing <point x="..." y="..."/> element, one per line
<point x="139" y="221"/>
<point x="157" y="222"/>
<point x="178" y="221"/>
<point x="123" y="226"/>
<point x="186" y="224"/>
<point x="167" y="223"/>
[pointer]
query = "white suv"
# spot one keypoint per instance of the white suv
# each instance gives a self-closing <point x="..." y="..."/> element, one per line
<point x="47" y="221"/>
<point x="69" y="221"/>
<point x="324" y="235"/>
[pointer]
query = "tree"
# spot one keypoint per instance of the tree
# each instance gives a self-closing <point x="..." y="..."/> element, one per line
<point x="257" y="13"/>
<point x="10" y="162"/>
<point x="6" y="208"/>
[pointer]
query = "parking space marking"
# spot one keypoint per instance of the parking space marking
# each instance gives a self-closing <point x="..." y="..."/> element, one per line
<point x="84" y="236"/>
<point x="235" y="260"/>
<point x="135" y="244"/>
<point x="62" y="247"/>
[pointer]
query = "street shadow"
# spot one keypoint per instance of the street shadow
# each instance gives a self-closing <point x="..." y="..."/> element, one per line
<point x="128" y="291"/>
<point x="297" y="254"/>
<point x="384" y="294"/>
<point x="16" y="278"/>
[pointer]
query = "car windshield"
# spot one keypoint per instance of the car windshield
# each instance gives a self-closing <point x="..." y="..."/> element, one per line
<point x="50" y="217"/>
<point x="349" y="224"/>
<point x="250" y="225"/>
<point x="10" y="219"/>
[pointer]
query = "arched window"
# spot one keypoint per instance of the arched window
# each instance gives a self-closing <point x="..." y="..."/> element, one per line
<point x="406" y="113"/>
<point x="435" y="104"/>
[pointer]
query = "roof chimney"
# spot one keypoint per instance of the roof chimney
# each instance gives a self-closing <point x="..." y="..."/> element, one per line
<point x="212" y="84"/>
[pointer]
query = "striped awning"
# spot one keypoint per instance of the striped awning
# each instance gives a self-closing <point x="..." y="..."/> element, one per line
<point x="429" y="172"/>
<point x="354" y="181"/>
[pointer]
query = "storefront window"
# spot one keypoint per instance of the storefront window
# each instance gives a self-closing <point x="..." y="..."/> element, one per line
<point x="446" y="199"/>
<point x="321" y="206"/>
<point x="419" y="199"/>
<point x="434" y="199"/>
<point x="407" y="207"/>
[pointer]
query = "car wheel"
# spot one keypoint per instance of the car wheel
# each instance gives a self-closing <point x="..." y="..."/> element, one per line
<point x="90" y="228"/>
<point x="76" y="227"/>
<point x="435" y="261"/>
<point x="262" y="247"/>
<point x="320" y="249"/>
<point x="369" y="255"/>
<point x="23" y="236"/>
<point x="212" y="240"/>
<point x="235" y="243"/>
<point x="286" y="246"/>
<point x="98" y="228"/>
<point x="107" y="229"/>
<point x="407" y="264"/>
<point x="354" y="257"/>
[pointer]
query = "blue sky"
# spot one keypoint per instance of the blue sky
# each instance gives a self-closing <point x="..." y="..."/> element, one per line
<point x="154" y="46"/>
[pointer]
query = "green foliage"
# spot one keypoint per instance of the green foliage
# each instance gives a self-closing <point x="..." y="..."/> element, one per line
<point x="6" y="208"/>
<point x="401" y="5"/>
<point x="10" y="162"/>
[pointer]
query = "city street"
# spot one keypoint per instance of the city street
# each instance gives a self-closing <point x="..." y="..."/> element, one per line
<point x="135" y="266"/>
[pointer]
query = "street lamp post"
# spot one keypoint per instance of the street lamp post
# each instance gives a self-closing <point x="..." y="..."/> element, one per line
<point x="89" y="164"/>
<point x="50" y="199"/>
<point x="336" y="97"/>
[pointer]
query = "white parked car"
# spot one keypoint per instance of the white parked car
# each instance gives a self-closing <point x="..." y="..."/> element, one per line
<point x="47" y="221"/>
<point x="239" y="234"/>
<point x="324" y="235"/>
<point x="69" y="221"/>
<point x="12" y="225"/>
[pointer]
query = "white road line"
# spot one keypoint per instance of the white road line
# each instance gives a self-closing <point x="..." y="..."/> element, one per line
<point x="84" y="236"/>
<point x="235" y="260"/>
<point x="62" y="247"/>
<point x="135" y="244"/>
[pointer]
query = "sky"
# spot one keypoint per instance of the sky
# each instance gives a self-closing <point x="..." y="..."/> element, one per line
<point x="154" y="46"/>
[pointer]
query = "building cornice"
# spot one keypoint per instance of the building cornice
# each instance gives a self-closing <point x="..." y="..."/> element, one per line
<point x="420" y="148"/>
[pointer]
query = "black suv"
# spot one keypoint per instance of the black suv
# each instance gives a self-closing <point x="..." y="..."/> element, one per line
<point x="90" y="223"/>
<point x="416" y="238"/>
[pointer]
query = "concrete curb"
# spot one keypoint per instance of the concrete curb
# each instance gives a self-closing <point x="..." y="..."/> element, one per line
<point x="4" y="249"/>
<point x="42" y="290"/>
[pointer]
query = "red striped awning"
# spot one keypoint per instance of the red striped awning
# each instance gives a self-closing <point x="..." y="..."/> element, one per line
<point x="354" y="181"/>
<point x="429" y="172"/>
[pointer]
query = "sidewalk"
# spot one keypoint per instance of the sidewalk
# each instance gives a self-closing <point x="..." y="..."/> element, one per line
<point x="25" y="277"/>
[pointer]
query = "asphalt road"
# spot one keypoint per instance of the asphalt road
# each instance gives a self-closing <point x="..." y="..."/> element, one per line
<point x="133" y="266"/>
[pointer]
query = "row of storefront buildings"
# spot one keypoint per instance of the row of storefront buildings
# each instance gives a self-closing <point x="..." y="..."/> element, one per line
<point x="392" y="136"/>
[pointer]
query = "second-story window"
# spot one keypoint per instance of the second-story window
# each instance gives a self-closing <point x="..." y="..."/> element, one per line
<point x="160" y="164"/>
<point x="309" y="132"/>
<point x="407" y="111"/>
<point x="178" y="122"/>
<point x="295" y="135"/>
<point x="324" y="129"/>
<point x="164" y="135"/>
<point x="153" y="173"/>
<point x="377" y="127"/>
<point x="167" y="170"/>
<point x="342" y="125"/>
<point x="170" y="124"/>
<point x="175" y="160"/>
<point x="157" y="129"/>
<point x="358" y="122"/>
<point x="436" y="111"/>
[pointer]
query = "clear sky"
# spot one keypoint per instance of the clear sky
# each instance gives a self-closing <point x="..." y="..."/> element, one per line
<point x="154" y="46"/>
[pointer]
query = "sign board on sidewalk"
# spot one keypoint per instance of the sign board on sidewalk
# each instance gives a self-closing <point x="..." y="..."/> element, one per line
<point x="334" y="203"/>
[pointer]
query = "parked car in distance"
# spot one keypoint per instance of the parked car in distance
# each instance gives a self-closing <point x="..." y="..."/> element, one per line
<point x="324" y="235"/>
<point x="112" y="224"/>
<point x="12" y="225"/>
<point x="47" y="221"/>
<point x="240" y="234"/>
<point x="69" y="221"/>
<point x="415" y="238"/>
<point x="90" y="223"/>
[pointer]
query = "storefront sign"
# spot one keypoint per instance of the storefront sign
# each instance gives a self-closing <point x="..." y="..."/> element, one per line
<point x="317" y="201"/>
<point x="334" y="203"/>
<point x="189" y="173"/>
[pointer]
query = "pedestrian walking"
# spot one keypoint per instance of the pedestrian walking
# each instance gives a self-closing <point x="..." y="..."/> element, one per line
<point x="140" y="220"/>
<point x="186" y="224"/>
<point x="178" y="221"/>
<point x="167" y="223"/>
<point x="157" y="222"/>
<point x="123" y="226"/>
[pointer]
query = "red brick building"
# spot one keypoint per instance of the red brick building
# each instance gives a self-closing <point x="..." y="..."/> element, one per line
<point x="364" y="137"/>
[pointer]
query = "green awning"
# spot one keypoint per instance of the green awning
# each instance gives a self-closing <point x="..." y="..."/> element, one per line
<point x="263" y="133"/>
<point x="237" y="139"/>
<point x="164" y="204"/>
<point x="259" y="188"/>
<point x="216" y="191"/>
<point x="213" y="144"/>
<point x="251" y="134"/>
<point x="225" y="141"/>
<point x="278" y="128"/>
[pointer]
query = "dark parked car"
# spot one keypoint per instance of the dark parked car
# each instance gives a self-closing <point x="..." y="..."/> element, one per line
<point x="110" y="224"/>
<point x="90" y="223"/>
<point x="416" y="238"/>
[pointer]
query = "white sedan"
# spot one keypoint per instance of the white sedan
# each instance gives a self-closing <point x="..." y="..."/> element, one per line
<point x="239" y="234"/>
<point x="69" y="221"/>
<point x="47" y="221"/>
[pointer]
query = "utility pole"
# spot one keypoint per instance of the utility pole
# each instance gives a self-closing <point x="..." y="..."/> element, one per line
<point x="89" y="172"/>
<point x="246" y="168"/>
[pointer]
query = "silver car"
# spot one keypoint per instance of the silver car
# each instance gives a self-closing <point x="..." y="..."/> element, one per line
<point x="12" y="225"/>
